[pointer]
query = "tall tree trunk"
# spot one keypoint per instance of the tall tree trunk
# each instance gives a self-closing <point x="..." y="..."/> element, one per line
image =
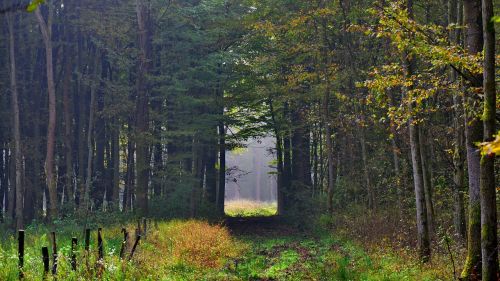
<point x="221" y="190"/>
<point x="142" y="109"/>
<point x="128" y="193"/>
<point x="287" y="159"/>
<point x="454" y="16"/>
<point x="301" y="164"/>
<point x="279" y="157"/>
<point x="211" y="176"/>
<point x="90" y="132"/>
<point x="474" y="45"/>
<point x="11" y="204"/>
<point x="46" y="29"/>
<point x="115" y="158"/>
<point x="18" y="157"/>
<point x="427" y="178"/>
<point x="418" y="179"/>
<point x="366" y="172"/>
<point x="329" y="148"/>
<point x="3" y="180"/>
<point x="489" y="239"/>
<point x="397" y="170"/>
<point x="68" y="120"/>
<point x="99" y="171"/>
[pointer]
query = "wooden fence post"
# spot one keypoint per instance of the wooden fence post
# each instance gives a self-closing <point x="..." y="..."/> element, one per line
<point x="124" y="242"/>
<point x="20" y="240"/>
<point x="54" y="253"/>
<point x="134" y="247"/>
<point x="87" y="239"/>
<point x="74" y="244"/>
<point x="100" y="244"/>
<point x="45" y="258"/>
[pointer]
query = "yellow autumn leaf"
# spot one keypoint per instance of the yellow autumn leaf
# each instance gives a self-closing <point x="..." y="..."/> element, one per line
<point x="492" y="147"/>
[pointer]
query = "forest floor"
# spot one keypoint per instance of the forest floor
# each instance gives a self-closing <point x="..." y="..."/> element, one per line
<point x="262" y="248"/>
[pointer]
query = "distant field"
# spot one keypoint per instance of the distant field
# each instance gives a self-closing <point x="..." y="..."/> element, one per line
<point x="249" y="208"/>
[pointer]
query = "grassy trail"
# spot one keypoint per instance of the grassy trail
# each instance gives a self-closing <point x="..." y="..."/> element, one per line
<point x="241" y="249"/>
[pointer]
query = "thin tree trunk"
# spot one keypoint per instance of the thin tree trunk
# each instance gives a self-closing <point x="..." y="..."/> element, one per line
<point x="489" y="239"/>
<point x="279" y="153"/>
<point x="397" y="170"/>
<point x="68" y="122"/>
<point x="458" y="153"/>
<point x="130" y="175"/>
<point x="474" y="45"/>
<point x="115" y="157"/>
<point x="418" y="180"/>
<point x="90" y="133"/>
<point x="366" y="172"/>
<point x="427" y="178"/>
<point x="18" y="157"/>
<point x="3" y="181"/>
<point x="46" y="29"/>
<point x="329" y="149"/>
<point x="222" y="166"/>
<point x="142" y="113"/>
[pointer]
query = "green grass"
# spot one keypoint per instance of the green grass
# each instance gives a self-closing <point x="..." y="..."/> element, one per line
<point x="196" y="250"/>
<point x="248" y="208"/>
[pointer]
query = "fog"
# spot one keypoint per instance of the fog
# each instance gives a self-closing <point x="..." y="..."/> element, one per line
<point x="252" y="171"/>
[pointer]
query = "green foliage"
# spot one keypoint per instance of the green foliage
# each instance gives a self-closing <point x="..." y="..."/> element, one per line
<point x="33" y="5"/>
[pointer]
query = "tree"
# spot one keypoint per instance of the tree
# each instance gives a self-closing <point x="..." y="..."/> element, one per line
<point x="474" y="45"/>
<point x="46" y="29"/>
<point x="18" y="157"/>
<point x="489" y="239"/>
<point x="142" y="113"/>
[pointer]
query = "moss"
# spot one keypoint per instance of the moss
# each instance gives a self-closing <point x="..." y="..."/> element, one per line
<point x="473" y="260"/>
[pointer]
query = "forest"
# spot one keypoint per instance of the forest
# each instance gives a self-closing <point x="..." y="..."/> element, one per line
<point x="249" y="140"/>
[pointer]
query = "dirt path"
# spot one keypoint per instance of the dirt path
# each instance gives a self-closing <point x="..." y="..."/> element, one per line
<point x="259" y="226"/>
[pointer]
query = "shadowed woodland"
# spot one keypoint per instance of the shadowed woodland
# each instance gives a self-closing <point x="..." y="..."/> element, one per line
<point x="249" y="139"/>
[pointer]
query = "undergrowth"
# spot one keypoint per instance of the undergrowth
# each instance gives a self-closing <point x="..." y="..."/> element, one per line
<point x="365" y="248"/>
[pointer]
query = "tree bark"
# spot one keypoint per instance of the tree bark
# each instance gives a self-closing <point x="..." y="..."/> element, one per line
<point x="366" y="172"/>
<point x="46" y="29"/>
<point x="16" y="133"/>
<point x="418" y="180"/>
<point x="454" y="16"/>
<point x="474" y="45"/>
<point x="489" y="239"/>
<point x="142" y="108"/>
<point x="90" y="132"/>
<point x="221" y="190"/>
<point x="68" y="120"/>
<point x="115" y="158"/>
<point x="427" y="179"/>
<point x="329" y="148"/>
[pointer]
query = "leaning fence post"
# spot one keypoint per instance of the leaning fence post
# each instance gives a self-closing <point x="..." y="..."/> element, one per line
<point x="74" y="244"/>
<point x="100" y="244"/>
<point x="124" y="243"/>
<point x="87" y="239"/>
<point x="21" y="253"/>
<point x="145" y="226"/>
<point x="45" y="258"/>
<point x="54" y="253"/>
<point x="134" y="247"/>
